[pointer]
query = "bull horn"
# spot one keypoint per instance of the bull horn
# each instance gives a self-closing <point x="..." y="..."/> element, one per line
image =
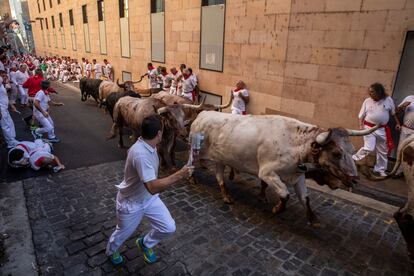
<point x="162" y="110"/>
<point x="147" y="95"/>
<point x="321" y="138"/>
<point x="193" y="106"/>
<point x="139" y="80"/>
<point x="223" y="106"/>
<point x="120" y="85"/>
<point x="362" y="132"/>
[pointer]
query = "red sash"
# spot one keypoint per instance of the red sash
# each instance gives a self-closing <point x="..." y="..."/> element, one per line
<point x="390" y="142"/>
<point x="23" y="146"/>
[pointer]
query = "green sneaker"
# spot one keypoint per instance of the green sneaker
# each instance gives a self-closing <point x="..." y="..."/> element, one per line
<point x="149" y="255"/>
<point x="33" y="127"/>
<point x="116" y="258"/>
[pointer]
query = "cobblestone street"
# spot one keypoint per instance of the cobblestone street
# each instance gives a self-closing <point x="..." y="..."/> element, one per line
<point x="72" y="214"/>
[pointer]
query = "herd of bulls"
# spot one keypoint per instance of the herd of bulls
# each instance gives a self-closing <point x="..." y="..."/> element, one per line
<point x="279" y="150"/>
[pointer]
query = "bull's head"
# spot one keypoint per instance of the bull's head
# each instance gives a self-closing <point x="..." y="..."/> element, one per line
<point x="127" y="85"/>
<point x="333" y="151"/>
<point x="174" y="118"/>
<point x="191" y="110"/>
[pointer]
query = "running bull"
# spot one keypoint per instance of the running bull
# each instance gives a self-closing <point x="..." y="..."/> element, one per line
<point x="89" y="87"/>
<point x="279" y="150"/>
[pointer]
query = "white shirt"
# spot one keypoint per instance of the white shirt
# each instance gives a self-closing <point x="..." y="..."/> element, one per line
<point x="188" y="85"/>
<point x="107" y="70"/>
<point x="43" y="99"/>
<point x="238" y="103"/>
<point x="2" y="66"/>
<point x="37" y="157"/>
<point x="98" y="68"/>
<point x="4" y="99"/>
<point x="175" y="81"/>
<point x="12" y="75"/>
<point x="21" y="77"/>
<point x="88" y="67"/>
<point x="141" y="167"/>
<point x="377" y="112"/>
<point x="409" y="112"/>
<point x="152" y="75"/>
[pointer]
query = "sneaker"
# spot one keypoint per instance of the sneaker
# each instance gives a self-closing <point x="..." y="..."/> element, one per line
<point x="382" y="174"/>
<point x="33" y="127"/>
<point x="149" y="255"/>
<point x="116" y="258"/>
<point x="36" y="135"/>
<point x="54" y="140"/>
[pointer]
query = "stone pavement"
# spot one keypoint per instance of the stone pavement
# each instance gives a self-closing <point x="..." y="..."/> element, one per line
<point x="72" y="214"/>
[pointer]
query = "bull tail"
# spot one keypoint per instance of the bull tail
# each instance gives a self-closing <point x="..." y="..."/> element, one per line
<point x="400" y="151"/>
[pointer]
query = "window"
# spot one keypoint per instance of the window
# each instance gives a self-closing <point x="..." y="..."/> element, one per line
<point x="101" y="26"/>
<point x="123" y="8"/>
<point x="61" y="20"/>
<point x="50" y="3"/>
<point x="124" y="28"/>
<point x="44" y="5"/>
<point x="84" y="14"/>
<point x="58" y="2"/>
<point x="53" y="21"/>
<point x="212" y="35"/>
<point x="101" y="11"/>
<point x="126" y="76"/>
<point x="71" y="17"/>
<point x="157" y="31"/>
<point x="212" y="2"/>
<point x="47" y="25"/>
<point x="41" y="25"/>
<point x="38" y="6"/>
<point x="157" y="6"/>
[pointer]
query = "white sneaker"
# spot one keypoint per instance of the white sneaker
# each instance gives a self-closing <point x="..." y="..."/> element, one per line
<point x="382" y="174"/>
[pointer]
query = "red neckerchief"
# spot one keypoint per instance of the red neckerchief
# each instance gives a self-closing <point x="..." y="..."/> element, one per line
<point x="186" y="77"/>
<point x="237" y="89"/>
<point x="164" y="74"/>
<point x="152" y="68"/>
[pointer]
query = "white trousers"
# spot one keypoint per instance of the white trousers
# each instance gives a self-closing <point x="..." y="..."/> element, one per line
<point x="98" y="76"/>
<point x="7" y="127"/>
<point x="47" y="126"/>
<point x="24" y="98"/>
<point x="375" y="141"/>
<point x="13" y="94"/>
<point x="129" y="215"/>
<point x="405" y="133"/>
<point x="236" y="111"/>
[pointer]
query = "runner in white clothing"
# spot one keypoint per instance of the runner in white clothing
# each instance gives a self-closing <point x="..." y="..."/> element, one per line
<point x="152" y="76"/>
<point x="37" y="154"/>
<point x="188" y="86"/>
<point x="6" y="122"/>
<point x="13" y="93"/>
<point x="176" y="75"/>
<point x="20" y="78"/>
<point x="240" y="97"/>
<point x="376" y="110"/>
<point x="88" y="69"/>
<point x="108" y="70"/>
<point x="138" y="195"/>
<point x="97" y="69"/>
<point x="41" y="113"/>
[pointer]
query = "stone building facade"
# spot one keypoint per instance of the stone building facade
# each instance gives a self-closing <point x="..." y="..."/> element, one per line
<point x="309" y="59"/>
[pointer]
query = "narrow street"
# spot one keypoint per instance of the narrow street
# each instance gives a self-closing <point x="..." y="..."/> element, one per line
<point x="72" y="214"/>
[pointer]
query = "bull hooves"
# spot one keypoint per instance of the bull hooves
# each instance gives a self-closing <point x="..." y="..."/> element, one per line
<point x="315" y="224"/>
<point x="192" y="181"/>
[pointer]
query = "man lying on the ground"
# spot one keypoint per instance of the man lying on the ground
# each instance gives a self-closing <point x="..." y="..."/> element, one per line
<point x="37" y="154"/>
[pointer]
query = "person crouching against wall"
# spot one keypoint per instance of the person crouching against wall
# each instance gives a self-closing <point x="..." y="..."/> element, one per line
<point x="41" y="113"/>
<point x="376" y="110"/>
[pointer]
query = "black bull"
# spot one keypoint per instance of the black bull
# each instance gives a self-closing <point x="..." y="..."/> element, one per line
<point x="89" y="87"/>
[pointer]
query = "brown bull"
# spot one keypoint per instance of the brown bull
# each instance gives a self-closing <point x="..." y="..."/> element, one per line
<point x="129" y="112"/>
<point x="108" y="87"/>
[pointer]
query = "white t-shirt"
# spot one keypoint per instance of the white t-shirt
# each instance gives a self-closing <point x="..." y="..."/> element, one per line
<point x="36" y="158"/>
<point x="98" y="68"/>
<point x="88" y="67"/>
<point x="175" y="81"/>
<point x="141" y="167"/>
<point x="409" y="112"/>
<point x="12" y="75"/>
<point x="4" y="99"/>
<point x="152" y="75"/>
<point x="238" y="103"/>
<point x="107" y="70"/>
<point x="188" y="85"/>
<point x="21" y="77"/>
<point x="377" y="112"/>
<point x="43" y="99"/>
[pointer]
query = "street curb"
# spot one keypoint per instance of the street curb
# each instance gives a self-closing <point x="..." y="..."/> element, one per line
<point x="355" y="198"/>
<point x="19" y="248"/>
